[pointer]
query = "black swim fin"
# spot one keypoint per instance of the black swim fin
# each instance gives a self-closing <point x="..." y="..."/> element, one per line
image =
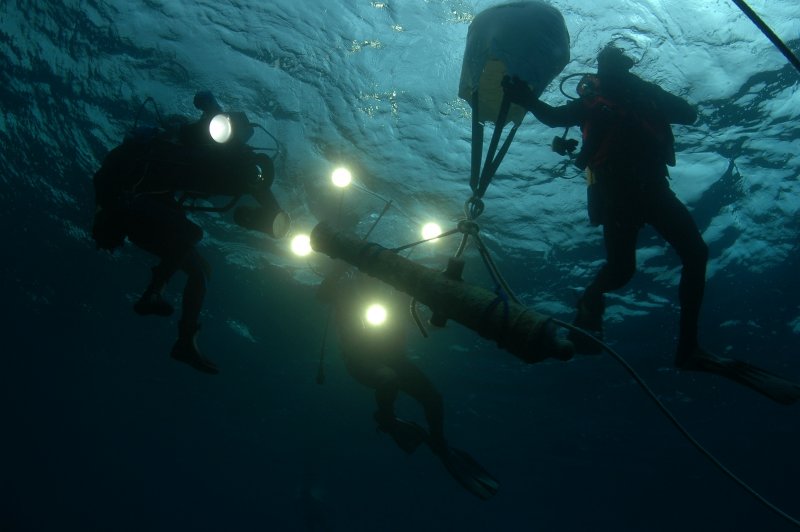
<point x="185" y="350"/>
<point x="461" y="466"/>
<point x="469" y="473"/>
<point x="776" y="388"/>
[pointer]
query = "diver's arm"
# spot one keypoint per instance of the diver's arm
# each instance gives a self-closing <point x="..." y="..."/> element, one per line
<point x="676" y="110"/>
<point x="679" y="111"/>
<point x="518" y="92"/>
<point x="562" y="116"/>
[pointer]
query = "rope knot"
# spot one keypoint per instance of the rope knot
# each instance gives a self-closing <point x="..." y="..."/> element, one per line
<point x="468" y="227"/>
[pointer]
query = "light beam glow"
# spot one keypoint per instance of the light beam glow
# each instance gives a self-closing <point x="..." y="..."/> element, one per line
<point x="301" y="245"/>
<point x="220" y="128"/>
<point x="341" y="177"/>
<point x="431" y="230"/>
<point x="376" y="314"/>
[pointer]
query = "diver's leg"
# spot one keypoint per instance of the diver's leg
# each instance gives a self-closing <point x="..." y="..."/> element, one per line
<point x="407" y="435"/>
<point x="197" y="273"/>
<point x="364" y="368"/>
<point x="673" y="221"/>
<point x="185" y="348"/>
<point x="384" y="381"/>
<point x="416" y="384"/>
<point x="620" y="265"/>
<point x="152" y="300"/>
<point x="158" y="225"/>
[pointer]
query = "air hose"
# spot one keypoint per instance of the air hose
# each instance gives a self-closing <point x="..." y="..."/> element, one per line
<point x="677" y="424"/>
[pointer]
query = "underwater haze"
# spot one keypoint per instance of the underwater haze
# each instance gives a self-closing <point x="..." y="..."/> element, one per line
<point x="102" y="431"/>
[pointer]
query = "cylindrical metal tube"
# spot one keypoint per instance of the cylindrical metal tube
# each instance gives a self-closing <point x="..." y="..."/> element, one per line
<point x="525" y="333"/>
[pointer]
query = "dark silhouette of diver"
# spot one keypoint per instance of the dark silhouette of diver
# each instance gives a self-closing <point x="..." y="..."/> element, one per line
<point x="375" y="355"/>
<point x="135" y="193"/>
<point x="627" y="147"/>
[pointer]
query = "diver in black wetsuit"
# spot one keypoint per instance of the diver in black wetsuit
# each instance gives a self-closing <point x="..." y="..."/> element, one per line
<point x="135" y="195"/>
<point x="375" y="354"/>
<point x="627" y="146"/>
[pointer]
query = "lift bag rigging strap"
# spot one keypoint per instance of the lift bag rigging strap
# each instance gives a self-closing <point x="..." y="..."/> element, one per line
<point x="480" y="179"/>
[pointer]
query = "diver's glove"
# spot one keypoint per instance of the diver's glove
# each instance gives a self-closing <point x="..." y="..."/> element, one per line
<point x="518" y="91"/>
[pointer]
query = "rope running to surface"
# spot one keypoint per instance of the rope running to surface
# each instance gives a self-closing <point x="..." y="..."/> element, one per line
<point x="677" y="424"/>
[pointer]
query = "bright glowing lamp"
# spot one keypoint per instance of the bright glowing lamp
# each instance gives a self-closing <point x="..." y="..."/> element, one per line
<point x="301" y="245"/>
<point x="341" y="177"/>
<point x="227" y="127"/>
<point x="221" y="128"/>
<point x="431" y="230"/>
<point x="376" y="314"/>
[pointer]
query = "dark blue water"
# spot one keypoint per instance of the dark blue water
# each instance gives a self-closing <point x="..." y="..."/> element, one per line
<point x="102" y="431"/>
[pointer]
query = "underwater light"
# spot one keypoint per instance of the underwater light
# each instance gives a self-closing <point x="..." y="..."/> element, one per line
<point x="269" y="218"/>
<point x="431" y="230"/>
<point x="301" y="245"/>
<point x="341" y="177"/>
<point x="221" y="128"/>
<point x="376" y="314"/>
<point x="226" y="126"/>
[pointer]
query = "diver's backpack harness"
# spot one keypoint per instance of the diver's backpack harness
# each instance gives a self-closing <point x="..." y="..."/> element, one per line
<point x="623" y="120"/>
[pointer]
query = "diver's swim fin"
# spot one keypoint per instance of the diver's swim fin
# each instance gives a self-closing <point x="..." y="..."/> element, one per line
<point x="469" y="473"/>
<point x="461" y="466"/>
<point x="185" y="350"/>
<point x="776" y="388"/>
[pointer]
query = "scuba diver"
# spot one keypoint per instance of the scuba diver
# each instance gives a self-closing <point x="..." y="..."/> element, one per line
<point x="372" y="342"/>
<point x="135" y="196"/>
<point x="375" y="356"/>
<point x="627" y="147"/>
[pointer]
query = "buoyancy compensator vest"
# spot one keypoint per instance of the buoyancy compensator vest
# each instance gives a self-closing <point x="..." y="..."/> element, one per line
<point x="623" y="128"/>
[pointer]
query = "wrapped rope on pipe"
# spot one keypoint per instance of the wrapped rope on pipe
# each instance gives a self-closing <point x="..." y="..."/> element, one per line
<point x="525" y="333"/>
